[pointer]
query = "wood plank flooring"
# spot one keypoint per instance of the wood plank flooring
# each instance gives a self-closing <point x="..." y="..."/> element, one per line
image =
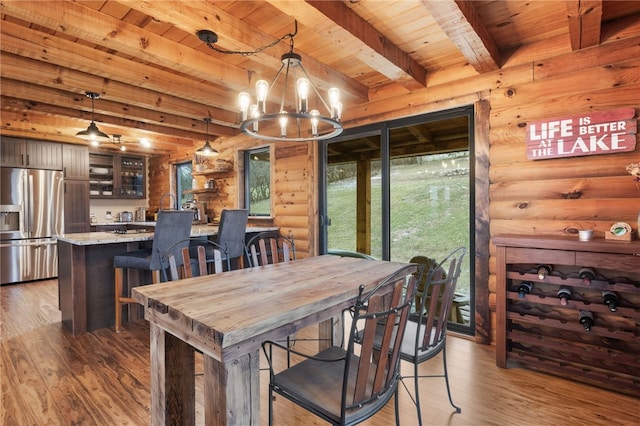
<point x="49" y="377"/>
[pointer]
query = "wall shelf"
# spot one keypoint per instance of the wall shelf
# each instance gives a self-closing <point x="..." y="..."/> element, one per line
<point x="211" y="171"/>
<point x="203" y="194"/>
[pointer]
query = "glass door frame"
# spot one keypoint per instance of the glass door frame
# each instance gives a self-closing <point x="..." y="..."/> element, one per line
<point x="382" y="130"/>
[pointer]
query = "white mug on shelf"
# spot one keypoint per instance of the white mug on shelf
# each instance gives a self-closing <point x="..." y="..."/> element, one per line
<point x="585" y="234"/>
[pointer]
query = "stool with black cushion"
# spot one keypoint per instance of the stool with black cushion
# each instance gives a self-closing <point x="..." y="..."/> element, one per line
<point x="231" y="237"/>
<point x="172" y="226"/>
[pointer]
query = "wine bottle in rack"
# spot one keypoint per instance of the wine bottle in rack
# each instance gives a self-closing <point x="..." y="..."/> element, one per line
<point x="564" y="294"/>
<point x="524" y="289"/>
<point x="587" y="275"/>
<point x="610" y="299"/>
<point x="586" y="319"/>
<point x="543" y="271"/>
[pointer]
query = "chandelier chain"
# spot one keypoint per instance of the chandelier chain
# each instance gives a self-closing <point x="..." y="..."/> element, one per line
<point x="260" y="49"/>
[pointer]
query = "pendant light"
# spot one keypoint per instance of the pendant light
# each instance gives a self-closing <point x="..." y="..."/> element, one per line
<point x="207" y="150"/>
<point x="92" y="133"/>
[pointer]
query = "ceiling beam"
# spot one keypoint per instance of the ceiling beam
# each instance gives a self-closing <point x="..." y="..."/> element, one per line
<point x="111" y="33"/>
<point x="380" y="53"/>
<point x="134" y="102"/>
<point x="461" y="22"/>
<point x="585" y="22"/>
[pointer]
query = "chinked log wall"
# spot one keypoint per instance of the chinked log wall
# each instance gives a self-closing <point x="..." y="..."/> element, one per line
<point x="551" y="197"/>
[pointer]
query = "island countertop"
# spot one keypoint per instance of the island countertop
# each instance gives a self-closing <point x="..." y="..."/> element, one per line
<point x="134" y="235"/>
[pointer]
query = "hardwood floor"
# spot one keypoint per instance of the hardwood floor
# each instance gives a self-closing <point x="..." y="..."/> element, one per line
<point x="49" y="377"/>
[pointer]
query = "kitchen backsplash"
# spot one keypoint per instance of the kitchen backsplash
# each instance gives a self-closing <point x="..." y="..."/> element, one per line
<point x="101" y="207"/>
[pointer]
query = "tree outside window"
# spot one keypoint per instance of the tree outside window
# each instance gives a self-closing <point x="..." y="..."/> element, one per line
<point x="258" y="181"/>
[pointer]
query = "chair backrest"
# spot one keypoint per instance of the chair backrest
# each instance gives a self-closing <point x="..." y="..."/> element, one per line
<point x="187" y="271"/>
<point x="434" y="312"/>
<point x="371" y="376"/>
<point x="232" y="230"/>
<point x="201" y="248"/>
<point x="172" y="226"/>
<point x="269" y="248"/>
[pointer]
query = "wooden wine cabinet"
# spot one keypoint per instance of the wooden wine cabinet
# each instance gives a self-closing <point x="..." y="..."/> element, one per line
<point x="540" y="333"/>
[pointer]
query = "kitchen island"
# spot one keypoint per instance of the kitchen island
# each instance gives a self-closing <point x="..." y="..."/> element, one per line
<point x="86" y="274"/>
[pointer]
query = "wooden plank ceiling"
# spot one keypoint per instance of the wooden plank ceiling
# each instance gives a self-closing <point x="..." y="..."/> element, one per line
<point x="158" y="80"/>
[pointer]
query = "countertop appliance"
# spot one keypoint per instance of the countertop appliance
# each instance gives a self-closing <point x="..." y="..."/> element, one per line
<point x="125" y="217"/>
<point x="199" y="215"/>
<point x="31" y="217"/>
<point x="141" y="214"/>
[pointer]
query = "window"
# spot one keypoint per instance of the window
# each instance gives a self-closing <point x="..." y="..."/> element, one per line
<point x="184" y="182"/>
<point x="257" y="178"/>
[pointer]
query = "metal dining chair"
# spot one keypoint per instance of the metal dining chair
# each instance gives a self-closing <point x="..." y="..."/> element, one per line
<point x="267" y="248"/>
<point x="425" y="336"/>
<point x="198" y="266"/>
<point x="339" y="385"/>
<point x="172" y="226"/>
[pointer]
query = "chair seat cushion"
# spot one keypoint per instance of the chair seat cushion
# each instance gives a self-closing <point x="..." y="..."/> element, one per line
<point x="139" y="259"/>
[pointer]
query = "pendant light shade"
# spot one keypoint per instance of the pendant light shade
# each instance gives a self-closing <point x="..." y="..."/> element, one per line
<point x="207" y="150"/>
<point x="92" y="133"/>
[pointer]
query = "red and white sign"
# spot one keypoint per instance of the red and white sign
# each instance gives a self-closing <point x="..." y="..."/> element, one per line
<point x="604" y="132"/>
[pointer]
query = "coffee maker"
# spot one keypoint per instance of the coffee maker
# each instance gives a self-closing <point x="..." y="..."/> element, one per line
<point x="197" y="207"/>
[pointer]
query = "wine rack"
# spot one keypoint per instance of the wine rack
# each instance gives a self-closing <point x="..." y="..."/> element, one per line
<point x="534" y="329"/>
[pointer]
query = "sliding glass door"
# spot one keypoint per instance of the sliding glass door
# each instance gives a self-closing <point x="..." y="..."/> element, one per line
<point x="402" y="189"/>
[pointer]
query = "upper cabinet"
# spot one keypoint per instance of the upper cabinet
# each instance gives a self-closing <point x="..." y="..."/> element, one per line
<point x="75" y="162"/>
<point x="30" y="154"/>
<point x="117" y="176"/>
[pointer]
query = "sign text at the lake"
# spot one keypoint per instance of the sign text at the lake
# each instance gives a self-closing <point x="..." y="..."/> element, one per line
<point x="604" y="132"/>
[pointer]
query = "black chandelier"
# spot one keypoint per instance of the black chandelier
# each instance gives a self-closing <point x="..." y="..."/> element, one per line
<point x="294" y="120"/>
<point x="92" y="133"/>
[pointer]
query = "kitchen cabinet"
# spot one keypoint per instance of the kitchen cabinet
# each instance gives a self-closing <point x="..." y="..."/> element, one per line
<point x="75" y="162"/>
<point x="75" y="168"/>
<point x="584" y="337"/>
<point x="30" y="154"/>
<point x="76" y="206"/>
<point x="117" y="176"/>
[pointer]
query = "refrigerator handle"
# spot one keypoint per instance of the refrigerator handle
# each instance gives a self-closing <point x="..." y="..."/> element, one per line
<point x="29" y="203"/>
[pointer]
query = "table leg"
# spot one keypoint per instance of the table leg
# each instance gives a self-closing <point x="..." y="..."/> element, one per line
<point x="330" y="332"/>
<point x="232" y="390"/>
<point x="172" y="379"/>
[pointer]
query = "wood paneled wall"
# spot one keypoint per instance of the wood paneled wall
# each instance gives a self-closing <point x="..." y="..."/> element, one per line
<point x="551" y="197"/>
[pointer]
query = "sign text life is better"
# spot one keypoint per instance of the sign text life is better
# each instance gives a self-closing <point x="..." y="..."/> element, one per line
<point x="604" y="132"/>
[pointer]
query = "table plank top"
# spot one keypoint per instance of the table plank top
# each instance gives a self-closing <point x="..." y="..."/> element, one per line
<point x="229" y="314"/>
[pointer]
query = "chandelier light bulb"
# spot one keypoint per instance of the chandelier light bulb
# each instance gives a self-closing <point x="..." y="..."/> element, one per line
<point x="334" y="100"/>
<point x="262" y="89"/>
<point x="254" y="112"/>
<point x="314" y="121"/>
<point x="244" y="100"/>
<point x="283" y="123"/>
<point x="303" y="93"/>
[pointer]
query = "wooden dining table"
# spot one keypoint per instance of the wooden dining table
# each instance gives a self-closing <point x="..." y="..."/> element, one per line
<point x="227" y="317"/>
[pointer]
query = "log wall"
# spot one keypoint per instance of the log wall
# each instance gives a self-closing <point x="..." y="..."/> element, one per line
<point x="550" y="197"/>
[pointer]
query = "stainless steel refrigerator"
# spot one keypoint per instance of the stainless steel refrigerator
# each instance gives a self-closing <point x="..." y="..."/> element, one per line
<point x="31" y="216"/>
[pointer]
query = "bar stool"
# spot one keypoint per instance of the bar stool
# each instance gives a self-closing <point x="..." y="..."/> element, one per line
<point x="172" y="226"/>
<point x="231" y="236"/>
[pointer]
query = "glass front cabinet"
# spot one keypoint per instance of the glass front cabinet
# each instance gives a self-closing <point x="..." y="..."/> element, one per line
<point x="117" y="176"/>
